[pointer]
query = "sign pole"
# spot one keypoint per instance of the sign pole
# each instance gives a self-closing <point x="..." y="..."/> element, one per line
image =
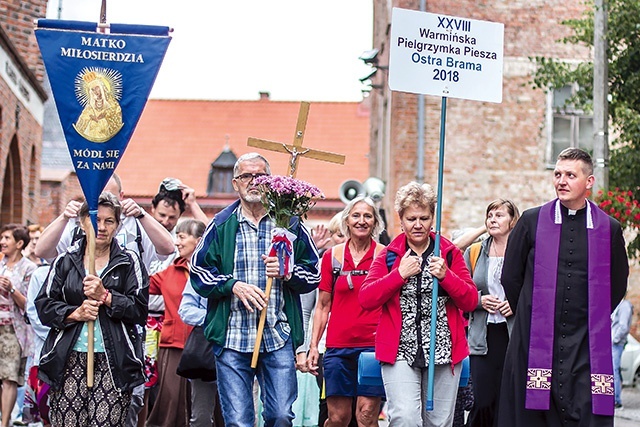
<point x="450" y="57"/>
<point x="436" y="252"/>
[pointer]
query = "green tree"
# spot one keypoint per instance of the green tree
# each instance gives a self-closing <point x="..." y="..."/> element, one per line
<point x="623" y="50"/>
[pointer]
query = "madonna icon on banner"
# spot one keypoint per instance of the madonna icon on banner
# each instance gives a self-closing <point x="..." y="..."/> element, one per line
<point x="98" y="91"/>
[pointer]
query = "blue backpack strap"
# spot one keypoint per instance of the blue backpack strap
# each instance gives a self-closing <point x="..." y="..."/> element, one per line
<point x="391" y="258"/>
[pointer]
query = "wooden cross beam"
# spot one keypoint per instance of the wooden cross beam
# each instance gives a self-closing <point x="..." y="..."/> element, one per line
<point x="296" y="150"/>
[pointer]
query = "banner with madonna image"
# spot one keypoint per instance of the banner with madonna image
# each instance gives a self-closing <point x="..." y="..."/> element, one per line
<point x="101" y="76"/>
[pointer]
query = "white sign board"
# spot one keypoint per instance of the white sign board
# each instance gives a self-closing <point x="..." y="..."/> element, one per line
<point x="448" y="56"/>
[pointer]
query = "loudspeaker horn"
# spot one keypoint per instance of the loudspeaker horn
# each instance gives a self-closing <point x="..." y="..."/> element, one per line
<point x="374" y="188"/>
<point x="350" y="189"/>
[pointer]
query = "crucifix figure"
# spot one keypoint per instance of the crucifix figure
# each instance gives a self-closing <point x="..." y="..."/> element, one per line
<point x="296" y="150"/>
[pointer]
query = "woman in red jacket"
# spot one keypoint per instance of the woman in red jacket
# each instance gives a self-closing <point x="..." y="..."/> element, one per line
<point x="403" y="290"/>
<point x="170" y="408"/>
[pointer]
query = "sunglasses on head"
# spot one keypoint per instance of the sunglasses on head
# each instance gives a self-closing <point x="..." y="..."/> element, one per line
<point x="170" y="184"/>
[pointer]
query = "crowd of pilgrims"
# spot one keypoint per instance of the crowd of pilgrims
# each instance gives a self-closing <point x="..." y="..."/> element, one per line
<point x="374" y="295"/>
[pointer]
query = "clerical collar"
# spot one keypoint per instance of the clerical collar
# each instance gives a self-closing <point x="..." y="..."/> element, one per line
<point x="558" y="213"/>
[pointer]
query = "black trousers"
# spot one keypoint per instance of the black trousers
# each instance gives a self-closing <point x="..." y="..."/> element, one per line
<point x="486" y="372"/>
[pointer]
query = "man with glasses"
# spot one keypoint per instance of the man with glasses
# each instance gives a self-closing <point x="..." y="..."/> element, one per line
<point x="230" y="268"/>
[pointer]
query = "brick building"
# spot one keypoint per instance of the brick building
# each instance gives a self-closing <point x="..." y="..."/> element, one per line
<point x="502" y="150"/>
<point x="21" y="111"/>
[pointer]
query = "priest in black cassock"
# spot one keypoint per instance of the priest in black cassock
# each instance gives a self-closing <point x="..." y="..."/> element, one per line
<point x="565" y="270"/>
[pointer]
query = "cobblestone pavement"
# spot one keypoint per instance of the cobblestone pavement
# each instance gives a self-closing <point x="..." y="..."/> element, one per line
<point x="630" y="405"/>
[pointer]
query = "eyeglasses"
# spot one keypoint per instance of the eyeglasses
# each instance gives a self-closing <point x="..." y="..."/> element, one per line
<point x="248" y="177"/>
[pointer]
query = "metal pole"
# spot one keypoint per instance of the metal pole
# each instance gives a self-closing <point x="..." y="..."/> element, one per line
<point x="436" y="252"/>
<point x="421" y="143"/>
<point x="420" y="149"/>
<point x="600" y="97"/>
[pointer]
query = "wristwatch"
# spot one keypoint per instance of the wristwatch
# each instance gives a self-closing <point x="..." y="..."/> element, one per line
<point x="142" y="214"/>
<point x="12" y="290"/>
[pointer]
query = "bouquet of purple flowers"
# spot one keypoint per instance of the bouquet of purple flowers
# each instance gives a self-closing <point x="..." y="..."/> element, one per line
<point x="284" y="197"/>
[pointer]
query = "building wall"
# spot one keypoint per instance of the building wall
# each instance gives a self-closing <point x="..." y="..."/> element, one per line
<point x="21" y="104"/>
<point x="20" y="128"/>
<point x="56" y="194"/>
<point x="16" y="17"/>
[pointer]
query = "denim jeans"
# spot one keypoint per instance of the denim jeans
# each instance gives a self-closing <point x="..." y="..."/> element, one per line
<point x="616" y="350"/>
<point x="276" y="375"/>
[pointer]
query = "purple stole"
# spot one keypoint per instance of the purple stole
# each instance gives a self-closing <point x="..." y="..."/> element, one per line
<point x="545" y="273"/>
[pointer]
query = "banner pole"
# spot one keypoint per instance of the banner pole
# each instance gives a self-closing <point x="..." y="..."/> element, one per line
<point x="91" y="248"/>
<point x="103" y="12"/>
<point x="436" y="252"/>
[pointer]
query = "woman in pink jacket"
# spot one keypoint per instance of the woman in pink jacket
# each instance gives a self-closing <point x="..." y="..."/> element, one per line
<point x="403" y="290"/>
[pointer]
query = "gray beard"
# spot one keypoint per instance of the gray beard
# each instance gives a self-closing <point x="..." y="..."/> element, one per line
<point x="252" y="198"/>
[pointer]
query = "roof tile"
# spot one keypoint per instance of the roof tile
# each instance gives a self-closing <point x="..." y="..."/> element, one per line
<point x="181" y="138"/>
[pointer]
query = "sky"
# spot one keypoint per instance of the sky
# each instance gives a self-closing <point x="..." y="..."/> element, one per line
<point x="231" y="50"/>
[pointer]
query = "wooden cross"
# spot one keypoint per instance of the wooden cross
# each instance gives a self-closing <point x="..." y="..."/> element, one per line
<point x="296" y="150"/>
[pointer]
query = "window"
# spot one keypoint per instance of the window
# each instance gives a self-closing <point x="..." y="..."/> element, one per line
<point x="568" y="126"/>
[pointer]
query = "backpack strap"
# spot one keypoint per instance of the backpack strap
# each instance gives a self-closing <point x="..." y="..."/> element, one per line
<point x="139" y="239"/>
<point x="390" y="259"/>
<point x="337" y="261"/>
<point x="474" y="254"/>
<point x="78" y="233"/>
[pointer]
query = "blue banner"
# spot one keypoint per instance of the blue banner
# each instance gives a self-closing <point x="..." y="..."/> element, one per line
<point x="100" y="83"/>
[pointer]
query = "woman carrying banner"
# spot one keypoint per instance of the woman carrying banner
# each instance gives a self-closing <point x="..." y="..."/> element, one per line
<point x="116" y="299"/>
<point x="15" y="334"/>
<point x="401" y="282"/>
